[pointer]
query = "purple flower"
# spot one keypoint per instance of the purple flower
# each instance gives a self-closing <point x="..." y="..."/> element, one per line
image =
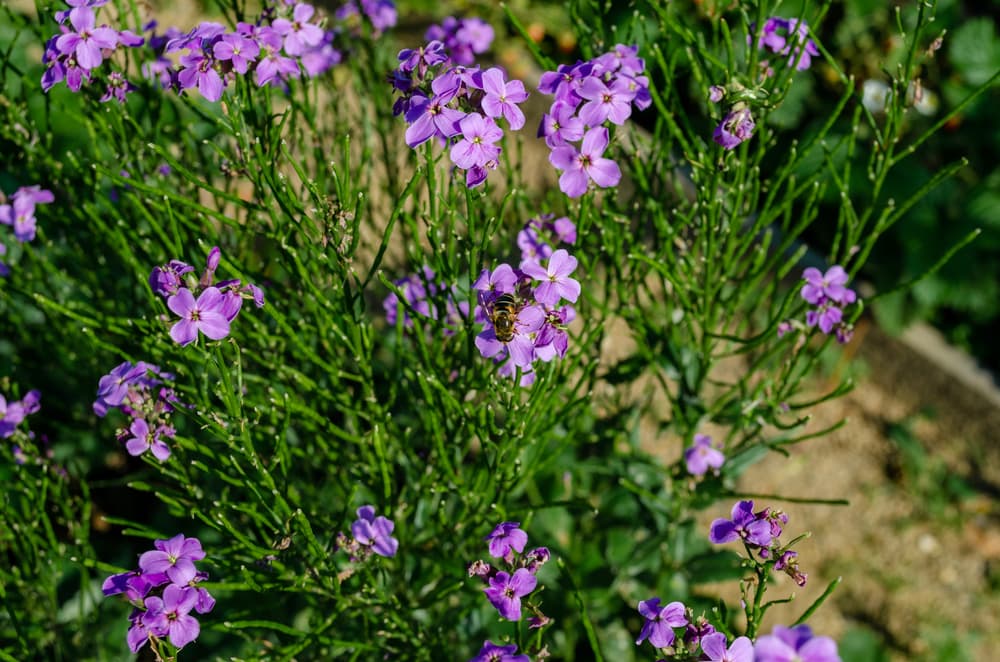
<point x="375" y="532"/>
<point x="605" y="103"/>
<point x="205" y="315"/>
<point x="715" y="93"/>
<point x="789" y="37"/>
<point x="175" y="557"/>
<point x="145" y="439"/>
<point x="826" y="317"/>
<point x="299" y="34"/>
<point x="506" y="539"/>
<point x="476" y="33"/>
<point x="532" y="247"/>
<point x="170" y="616"/>
<point x="831" y="286"/>
<point x="431" y="117"/>
<point x="796" y="644"/>
<point x="273" y="67"/>
<point x="11" y="415"/>
<point x="88" y="41"/>
<point x="560" y="125"/>
<point x="587" y="164"/>
<point x="476" y="148"/>
<point x="419" y="59"/>
<point x="118" y="88"/>
<point x="735" y="127"/>
<point x="166" y="280"/>
<point x="744" y="524"/>
<point x="135" y="584"/>
<point x="506" y="590"/>
<point x="491" y="652"/>
<point x="701" y="456"/>
<point x="238" y="49"/>
<point x="555" y="281"/>
<point x="521" y="347"/>
<point x="20" y="213"/>
<point x="660" y="622"/>
<point x="199" y="71"/>
<point x="714" y="646"/>
<point x="501" y="98"/>
<point x="788" y="563"/>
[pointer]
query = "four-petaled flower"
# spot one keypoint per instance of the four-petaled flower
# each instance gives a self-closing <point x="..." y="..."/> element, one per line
<point x="205" y="315"/>
<point x="796" y="644"/>
<point x="505" y="537"/>
<point x="744" y="524"/>
<point x="146" y="439"/>
<point x="660" y="622"/>
<point x="506" y="590"/>
<point x="701" y="456"/>
<point x="579" y="168"/>
<point x="170" y="616"/>
<point x="175" y="557"/>
<point x="476" y="148"/>
<point x="555" y="282"/>
<point x="375" y="532"/>
<point x="714" y="646"/>
<point x="501" y="98"/>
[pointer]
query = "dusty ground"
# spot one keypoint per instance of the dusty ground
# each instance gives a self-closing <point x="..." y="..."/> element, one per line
<point x="919" y="568"/>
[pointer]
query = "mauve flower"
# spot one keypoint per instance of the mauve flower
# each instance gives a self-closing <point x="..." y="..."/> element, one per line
<point x="735" y="127"/>
<point x="502" y="96"/>
<point x="506" y="590"/>
<point x="273" y="67"/>
<point x="506" y="538"/>
<point x="375" y="532"/>
<point x="612" y="102"/>
<point x="175" y="557"/>
<point x="744" y="524"/>
<point x="830" y="285"/>
<point x="145" y="439"/>
<point x="555" y="283"/>
<point x="476" y="148"/>
<point x="431" y="117"/>
<point x="560" y="125"/>
<point x="170" y="616"/>
<point x="660" y="622"/>
<point x="701" y="456"/>
<point x="238" y="49"/>
<point x="796" y="644"/>
<point x="88" y="41"/>
<point x="714" y="646"/>
<point x="586" y="165"/>
<point x="491" y="652"/>
<point x="520" y="348"/>
<point x="205" y="315"/>
<point x="299" y="34"/>
<point x="198" y="70"/>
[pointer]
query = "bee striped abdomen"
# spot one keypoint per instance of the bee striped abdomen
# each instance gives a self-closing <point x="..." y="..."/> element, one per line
<point x="503" y="316"/>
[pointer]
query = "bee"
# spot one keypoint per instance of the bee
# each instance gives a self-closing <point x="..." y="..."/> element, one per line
<point x="503" y="314"/>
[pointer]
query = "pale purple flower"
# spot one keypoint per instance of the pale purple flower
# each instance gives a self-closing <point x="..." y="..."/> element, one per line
<point x="491" y="652"/>
<point x="612" y="102"/>
<point x="166" y="280"/>
<point x="660" y="622"/>
<point x="198" y="70"/>
<point x="430" y="118"/>
<point x="118" y="88"/>
<point x="586" y="165"/>
<point x="795" y="644"/>
<point x="560" y="125"/>
<point x="714" y="646"/>
<point x="205" y="315"/>
<point x="135" y="584"/>
<point x="375" y="532"/>
<point x="170" y="616"/>
<point x="501" y="280"/>
<point x="238" y="49"/>
<point x="521" y="348"/>
<point x="476" y="148"/>
<point x="533" y="249"/>
<point x="273" y="67"/>
<point x="476" y="33"/>
<point x="506" y="539"/>
<point x="175" y="557"/>
<point x="736" y="127"/>
<point x="506" y="590"/>
<point x="743" y="524"/>
<point x="87" y="42"/>
<point x="145" y="439"/>
<point x="502" y="96"/>
<point x="554" y="279"/>
<point x="831" y="286"/>
<point x="826" y="317"/>
<point x="701" y="456"/>
<point x="716" y="93"/>
<point x="300" y="35"/>
<point x="20" y="213"/>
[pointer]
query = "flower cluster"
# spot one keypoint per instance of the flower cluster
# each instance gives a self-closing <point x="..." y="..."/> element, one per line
<point x="458" y="105"/>
<point x="164" y="591"/>
<point x="419" y="291"/>
<point x="216" y="305"/>
<point x="462" y="38"/>
<point x="759" y="532"/>
<point x="137" y="390"/>
<point x="702" y="455"/>
<point x="788" y="37"/>
<point x="505" y="588"/>
<point x="663" y="620"/>
<point x="19" y="214"/>
<point x="13" y="413"/>
<point x="828" y="292"/>
<point x="587" y="96"/>
<point x="381" y="14"/>
<point x="285" y="42"/>
<point x="521" y="309"/>
<point x="370" y="534"/>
